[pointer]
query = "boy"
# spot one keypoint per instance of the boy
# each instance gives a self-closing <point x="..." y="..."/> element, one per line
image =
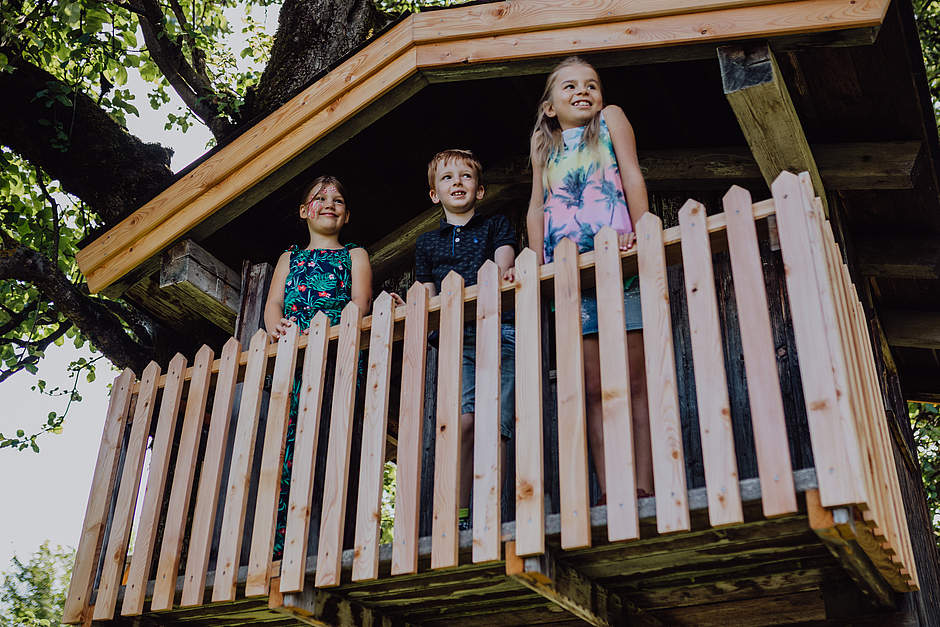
<point x="463" y="242"/>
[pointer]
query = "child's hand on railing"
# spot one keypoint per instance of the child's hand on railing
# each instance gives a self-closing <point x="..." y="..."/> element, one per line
<point x="280" y="329"/>
<point x="398" y="300"/>
<point x="510" y="275"/>
<point x="626" y="240"/>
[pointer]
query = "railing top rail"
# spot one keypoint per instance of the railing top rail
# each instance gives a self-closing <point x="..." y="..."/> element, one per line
<point x="715" y="224"/>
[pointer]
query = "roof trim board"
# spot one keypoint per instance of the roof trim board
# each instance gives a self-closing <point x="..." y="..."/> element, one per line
<point x="463" y="37"/>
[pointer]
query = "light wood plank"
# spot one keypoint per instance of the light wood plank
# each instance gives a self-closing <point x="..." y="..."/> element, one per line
<point x="487" y="471"/>
<point x="374" y="429"/>
<point x="838" y="471"/>
<point x="102" y="486"/>
<point x="444" y="534"/>
<point x="330" y="552"/>
<point x="672" y="508"/>
<point x="272" y="462"/>
<point x="184" y="472"/>
<point x="300" y="501"/>
<point x="210" y="478"/>
<point x="774" y="20"/>
<point x="572" y="429"/>
<point x="766" y="402"/>
<point x="411" y="412"/>
<point x="236" y="491"/>
<point x="623" y="521"/>
<point x="260" y="136"/>
<point x="530" y="492"/>
<point x="139" y="572"/>
<point x="498" y="18"/>
<point x="146" y="242"/>
<point x="711" y="386"/>
<point x="115" y="556"/>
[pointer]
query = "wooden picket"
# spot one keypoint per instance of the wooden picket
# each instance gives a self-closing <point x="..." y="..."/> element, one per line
<point x="672" y="507"/>
<point x="623" y="521"/>
<point x="487" y="471"/>
<point x="115" y="555"/>
<point x="272" y="462"/>
<point x="711" y="386"/>
<point x="335" y="489"/>
<point x="572" y="429"/>
<point x="193" y="418"/>
<point x="102" y="487"/>
<point x="410" y="428"/>
<point x="210" y="478"/>
<point x="846" y="416"/>
<point x="139" y="571"/>
<point x="374" y="427"/>
<point x="778" y="495"/>
<point x="447" y="436"/>
<point x="530" y="492"/>
<point x="236" y="494"/>
<point x="300" y="500"/>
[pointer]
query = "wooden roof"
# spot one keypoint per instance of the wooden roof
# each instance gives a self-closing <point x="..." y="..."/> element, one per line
<point x="431" y="47"/>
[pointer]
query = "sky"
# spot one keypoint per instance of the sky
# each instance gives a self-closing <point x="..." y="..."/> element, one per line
<point x="46" y="493"/>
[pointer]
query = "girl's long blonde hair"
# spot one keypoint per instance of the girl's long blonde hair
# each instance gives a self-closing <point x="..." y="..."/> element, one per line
<point x="547" y="131"/>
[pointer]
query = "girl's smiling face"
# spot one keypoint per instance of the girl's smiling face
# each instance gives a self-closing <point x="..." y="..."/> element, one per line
<point x="575" y="97"/>
<point x="325" y="210"/>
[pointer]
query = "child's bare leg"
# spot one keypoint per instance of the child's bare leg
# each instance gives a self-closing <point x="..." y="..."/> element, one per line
<point x="595" y="415"/>
<point x="643" y="453"/>
<point x="465" y="480"/>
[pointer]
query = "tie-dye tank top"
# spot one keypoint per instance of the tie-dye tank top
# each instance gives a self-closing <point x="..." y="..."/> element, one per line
<point x="583" y="192"/>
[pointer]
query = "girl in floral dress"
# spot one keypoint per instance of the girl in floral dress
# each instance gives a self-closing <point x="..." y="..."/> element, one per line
<point x="324" y="276"/>
<point x="585" y="175"/>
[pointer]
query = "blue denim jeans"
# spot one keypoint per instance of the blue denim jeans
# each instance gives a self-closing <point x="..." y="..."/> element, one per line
<point x="507" y="375"/>
<point x="633" y="318"/>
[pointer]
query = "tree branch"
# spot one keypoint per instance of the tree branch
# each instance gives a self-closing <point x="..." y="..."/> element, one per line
<point x="193" y="86"/>
<point x="97" y="322"/>
<point x="136" y="171"/>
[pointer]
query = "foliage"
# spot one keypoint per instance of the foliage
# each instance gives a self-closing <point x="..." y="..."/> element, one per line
<point x="927" y="15"/>
<point x="33" y="593"/>
<point x="388" y="501"/>
<point x="925" y="422"/>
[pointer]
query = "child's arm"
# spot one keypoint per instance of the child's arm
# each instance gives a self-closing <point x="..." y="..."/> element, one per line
<point x="274" y="321"/>
<point x="504" y="241"/>
<point x="535" y="217"/>
<point x="621" y="134"/>
<point x="361" y="279"/>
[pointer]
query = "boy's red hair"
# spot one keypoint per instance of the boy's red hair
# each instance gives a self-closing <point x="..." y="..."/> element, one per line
<point x="453" y="154"/>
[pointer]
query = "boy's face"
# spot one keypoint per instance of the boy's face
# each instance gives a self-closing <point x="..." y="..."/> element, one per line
<point x="456" y="186"/>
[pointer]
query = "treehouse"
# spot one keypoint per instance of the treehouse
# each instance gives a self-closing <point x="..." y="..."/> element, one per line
<point x="792" y="161"/>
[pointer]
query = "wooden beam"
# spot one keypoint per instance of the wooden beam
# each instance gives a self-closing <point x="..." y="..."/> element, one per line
<point x="317" y="607"/>
<point x="758" y="95"/>
<point x="913" y="329"/>
<point x="255" y="281"/>
<point x="390" y="60"/>
<point x="572" y="591"/>
<point x="211" y="289"/>
<point x="860" y="569"/>
<point x="889" y="257"/>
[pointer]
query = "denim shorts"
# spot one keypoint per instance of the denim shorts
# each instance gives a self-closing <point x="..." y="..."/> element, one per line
<point x="633" y="317"/>
<point x="507" y="376"/>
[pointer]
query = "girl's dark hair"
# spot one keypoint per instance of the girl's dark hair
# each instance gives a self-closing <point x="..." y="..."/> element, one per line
<point x="321" y="181"/>
<point x="547" y="131"/>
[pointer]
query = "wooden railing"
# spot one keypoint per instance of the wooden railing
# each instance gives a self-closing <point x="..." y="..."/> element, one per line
<point x="843" y="408"/>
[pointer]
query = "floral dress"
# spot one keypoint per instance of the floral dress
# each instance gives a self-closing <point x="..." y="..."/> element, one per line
<point x="583" y="192"/>
<point x="317" y="280"/>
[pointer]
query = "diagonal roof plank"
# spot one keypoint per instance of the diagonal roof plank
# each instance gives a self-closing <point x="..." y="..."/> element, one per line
<point x="462" y="37"/>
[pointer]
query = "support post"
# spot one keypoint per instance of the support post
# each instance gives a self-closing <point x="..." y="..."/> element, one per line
<point x="318" y="607"/>
<point x="255" y="281"/>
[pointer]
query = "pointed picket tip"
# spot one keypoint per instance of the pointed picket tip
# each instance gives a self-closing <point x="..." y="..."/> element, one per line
<point x="416" y="291"/>
<point x="736" y="193"/>
<point x="649" y="221"/>
<point x="204" y="354"/>
<point x="289" y="336"/>
<point x="259" y="338"/>
<point x="605" y="237"/>
<point x="691" y="209"/>
<point x="783" y="179"/>
<point x="489" y="269"/>
<point x="351" y="309"/>
<point x="453" y="281"/>
<point x="152" y="371"/>
<point x="232" y="345"/>
<point x="526" y="256"/>
<point x="566" y="248"/>
<point x="382" y="301"/>
<point x="320" y="320"/>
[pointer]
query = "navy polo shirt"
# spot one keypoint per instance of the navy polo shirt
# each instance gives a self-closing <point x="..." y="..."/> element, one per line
<point x="461" y="248"/>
